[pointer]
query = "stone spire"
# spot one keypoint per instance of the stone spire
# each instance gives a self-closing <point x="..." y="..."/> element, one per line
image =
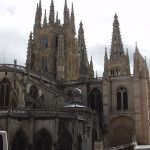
<point x="82" y="50"/>
<point x="57" y="20"/>
<point x="105" y="64"/>
<point x="66" y="14"/>
<point x="52" y="13"/>
<point x="91" y="63"/>
<point x="72" y="23"/>
<point x="38" y="15"/>
<point x="116" y="44"/>
<point x="45" y="20"/>
<point x="29" y="52"/>
<point x="118" y="64"/>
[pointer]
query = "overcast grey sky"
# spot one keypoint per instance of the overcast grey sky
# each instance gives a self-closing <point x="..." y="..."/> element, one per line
<point x="17" y="20"/>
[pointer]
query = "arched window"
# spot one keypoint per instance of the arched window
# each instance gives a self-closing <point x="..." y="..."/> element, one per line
<point x="45" y="42"/>
<point x="4" y="92"/>
<point x="34" y="92"/>
<point x="44" y="64"/>
<point x="65" y="141"/>
<point x="95" y="100"/>
<point x="122" y="98"/>
<point x="43" y="140"/>
<point x="19" y="141"/>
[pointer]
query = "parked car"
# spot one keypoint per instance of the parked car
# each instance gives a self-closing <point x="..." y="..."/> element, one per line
<point x="3" y="140"/>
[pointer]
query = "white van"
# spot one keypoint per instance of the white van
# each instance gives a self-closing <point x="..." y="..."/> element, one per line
<point x="3" y="140"/>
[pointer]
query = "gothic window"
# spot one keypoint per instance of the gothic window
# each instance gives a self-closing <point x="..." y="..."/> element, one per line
<point x="45" y="42"/>
<point x="43" y="140"/>
<point x="65" y="141"/>
<point x="4" y="92"/>
<point x="44" y="64"/>
<point x="122" y="98"/>
<point x="95" y="100"/>
<point x="34" y="91"/>
<point x="19" y="141"/>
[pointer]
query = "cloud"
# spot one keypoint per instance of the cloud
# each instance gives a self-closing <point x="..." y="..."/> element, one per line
<point x="13" y="46"/>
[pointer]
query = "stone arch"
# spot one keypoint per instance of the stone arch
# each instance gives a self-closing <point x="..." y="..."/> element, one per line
<point x="65" y="140"/>
<point x="95" y="100"/>
<point x="19" y="141"/>
<point x="121" y="130"/>
<point x="42" y="140"/>
<point x="5" y="87"/>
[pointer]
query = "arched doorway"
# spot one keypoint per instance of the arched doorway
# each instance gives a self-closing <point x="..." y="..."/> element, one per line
<point x="121" y="131"/>
<point x="19" y="141"/>
<point x="43" y="140"/>
<point x="65" y="141"/>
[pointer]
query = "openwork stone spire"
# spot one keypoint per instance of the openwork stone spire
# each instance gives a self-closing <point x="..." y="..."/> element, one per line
<point x="118" y="64"/>
<point x="116" y="44"/>
<point x="82" y="50"/>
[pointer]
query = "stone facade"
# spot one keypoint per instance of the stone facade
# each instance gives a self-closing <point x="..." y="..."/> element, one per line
<point x="55" y="103"/>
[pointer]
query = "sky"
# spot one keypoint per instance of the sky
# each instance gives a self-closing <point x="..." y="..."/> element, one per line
<point x="17" y="20"/>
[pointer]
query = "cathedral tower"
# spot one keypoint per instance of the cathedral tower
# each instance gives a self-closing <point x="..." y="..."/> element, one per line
<point x="53" y="49"/>
<point x="118" y="63"/>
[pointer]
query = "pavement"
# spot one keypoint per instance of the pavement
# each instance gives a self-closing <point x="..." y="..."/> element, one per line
<point x="142" y="147"/>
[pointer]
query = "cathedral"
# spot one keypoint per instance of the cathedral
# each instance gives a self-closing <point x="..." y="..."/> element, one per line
<point x="55" y="103"/>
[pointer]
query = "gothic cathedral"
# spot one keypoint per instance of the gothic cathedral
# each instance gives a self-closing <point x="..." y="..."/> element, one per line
<point x="55" y="103"/>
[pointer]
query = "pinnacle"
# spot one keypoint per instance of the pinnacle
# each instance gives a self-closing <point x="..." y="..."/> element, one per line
<point x="116" y="19"/>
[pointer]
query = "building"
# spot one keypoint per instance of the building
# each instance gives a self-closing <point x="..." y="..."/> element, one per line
<point x="55" y="103"/>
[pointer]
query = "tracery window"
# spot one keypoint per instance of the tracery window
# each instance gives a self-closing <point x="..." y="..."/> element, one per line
<point x="44" y="141"/>
<point x="45" y="41"/>
<point x="4" y="92"/>
<point x="95" y="100"/>
<point x="19" y="141"/>
<point x="122" y="98"/>
<point x="34" y="91"/>
<point x="44" y="64"/>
